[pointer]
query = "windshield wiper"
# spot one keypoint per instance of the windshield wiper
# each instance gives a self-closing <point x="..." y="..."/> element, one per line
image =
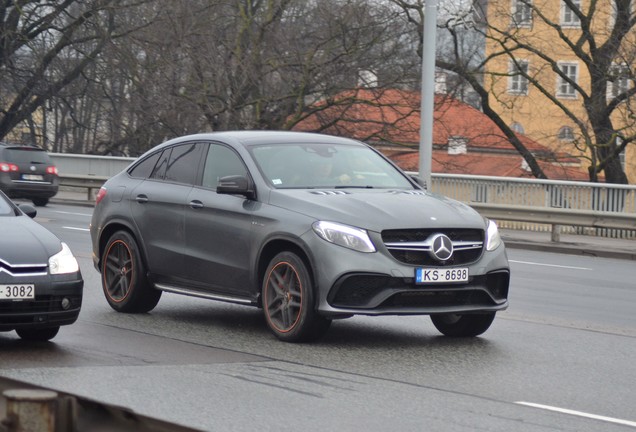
<point x="355" y="187"/>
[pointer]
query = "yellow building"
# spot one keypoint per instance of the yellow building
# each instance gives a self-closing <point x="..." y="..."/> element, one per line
<point x="528" y="42"/>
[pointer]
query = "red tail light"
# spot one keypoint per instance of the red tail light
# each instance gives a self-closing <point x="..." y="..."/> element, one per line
<point x="100" y="195"/>
<point x="51" y="170"/>
<point x="6" y="167"/>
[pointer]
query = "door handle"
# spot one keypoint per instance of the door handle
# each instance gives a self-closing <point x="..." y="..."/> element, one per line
<point x="141" y="199"/>
<point x="196" y="204"/>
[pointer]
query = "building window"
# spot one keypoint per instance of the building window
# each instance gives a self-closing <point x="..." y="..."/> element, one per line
<point x="567" y="78"/>
<point x="517" y="80"/>
<point x="522" y="13"/>
<point x="566" y="134"/>
<point x="517" y="128"/>
<point x="569" y="18"/>
<point x="618" y="80"/>
<point x="621" y="157"/>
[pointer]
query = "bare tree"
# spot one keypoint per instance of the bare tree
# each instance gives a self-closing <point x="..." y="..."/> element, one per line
<point x="603" y="43"/>
<point x="224" y="64"/>
<point x="45" y="46"/>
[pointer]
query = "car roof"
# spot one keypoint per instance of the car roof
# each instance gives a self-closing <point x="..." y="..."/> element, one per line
<point x="260" y="137"/>
<point x="9" y="146"/>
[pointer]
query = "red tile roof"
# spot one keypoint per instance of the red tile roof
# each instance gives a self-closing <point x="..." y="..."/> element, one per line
<point x="500" y="165"/>
<point x="381" y="116"/>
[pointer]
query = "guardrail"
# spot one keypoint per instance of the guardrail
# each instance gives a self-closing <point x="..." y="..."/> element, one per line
<point x="88" y="182"/>
<point x="557" y="217"/>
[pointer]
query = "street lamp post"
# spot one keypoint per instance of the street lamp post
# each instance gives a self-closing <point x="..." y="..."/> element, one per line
<point x="428" y="91"/>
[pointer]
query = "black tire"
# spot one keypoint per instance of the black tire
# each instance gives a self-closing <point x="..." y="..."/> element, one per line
<point x="468" y="325"/>
<point x="126" y="287"/>
<point x="38" y="334"/>
<point x="288" y="300"/>
<point x="40" y="202"/>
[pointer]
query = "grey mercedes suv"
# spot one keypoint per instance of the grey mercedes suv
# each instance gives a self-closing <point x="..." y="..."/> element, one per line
<point x="308" y="227"/>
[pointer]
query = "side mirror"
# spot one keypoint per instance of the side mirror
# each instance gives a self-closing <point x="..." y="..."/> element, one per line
<point x="236" y="185"/>
<point x="28" y="210"/>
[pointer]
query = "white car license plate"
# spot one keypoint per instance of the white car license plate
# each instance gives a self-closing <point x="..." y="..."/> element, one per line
<point x="17" y="292"/>
<point x="32" y="177"/>
<point x="440" y="275"/>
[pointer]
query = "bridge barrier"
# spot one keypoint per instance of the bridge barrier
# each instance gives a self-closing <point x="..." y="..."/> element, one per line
<point x="26" y="407"/>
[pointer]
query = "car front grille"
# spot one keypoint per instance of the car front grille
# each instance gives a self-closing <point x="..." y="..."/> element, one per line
<point x="413" y="246"/>
<point x="23" y="269"/>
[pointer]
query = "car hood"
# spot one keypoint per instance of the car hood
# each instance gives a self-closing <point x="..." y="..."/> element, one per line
<point x="377" y="210"/>
<point x="26" y="242"/>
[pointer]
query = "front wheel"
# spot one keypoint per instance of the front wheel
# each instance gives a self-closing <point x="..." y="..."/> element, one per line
<point x="38" y="334"/>
<point x="468" y="325"/>
<point x="288" y="300"/>
<point x="126" y="287"/>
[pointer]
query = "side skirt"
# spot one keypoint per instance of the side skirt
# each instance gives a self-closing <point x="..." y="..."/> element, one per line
<point x="204" y="294"/>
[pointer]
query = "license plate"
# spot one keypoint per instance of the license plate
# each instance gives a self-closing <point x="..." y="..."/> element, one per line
<point x="17" y="292"/>
<point x="34" y="177"/>
<point x="437" y="275"/>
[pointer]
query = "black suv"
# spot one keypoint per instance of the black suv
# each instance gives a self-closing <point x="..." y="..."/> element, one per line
<point x="27" y="172"/>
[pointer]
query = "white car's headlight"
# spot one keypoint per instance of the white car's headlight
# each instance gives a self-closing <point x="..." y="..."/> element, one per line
<point x="344" y="235"/>
<point x="63" y="262"/>
<point x="493" y="239"/>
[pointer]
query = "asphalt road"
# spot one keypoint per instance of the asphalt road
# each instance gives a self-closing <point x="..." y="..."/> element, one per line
<point x="560" y="359"/>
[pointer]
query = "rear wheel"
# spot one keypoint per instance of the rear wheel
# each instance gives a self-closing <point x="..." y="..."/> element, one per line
<point x="38" y="334"/>
<point x="288" y="300"/>
<point x="40" y="202"/>
<point x="468" y="325"/>
<point x="126" y="287"/>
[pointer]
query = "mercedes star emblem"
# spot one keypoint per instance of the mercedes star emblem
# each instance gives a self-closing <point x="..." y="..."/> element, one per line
<point x="442" y="248"/>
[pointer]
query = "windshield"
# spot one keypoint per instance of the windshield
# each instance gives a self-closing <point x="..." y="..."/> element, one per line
<point x="326" y="166"/>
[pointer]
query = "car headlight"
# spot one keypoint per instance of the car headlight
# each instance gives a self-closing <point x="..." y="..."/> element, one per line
<point x="63" y="262"/>
<point x="344" y="235"/>
<point x="493" y="239"/>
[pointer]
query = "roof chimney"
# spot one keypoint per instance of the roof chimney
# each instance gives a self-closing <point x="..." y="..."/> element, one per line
<point x="457" y="145"/>
<point x="367" y="79"/>
<point x="440" y="83"/>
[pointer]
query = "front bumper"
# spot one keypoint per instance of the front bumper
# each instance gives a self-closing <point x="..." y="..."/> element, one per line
<point x="355" y="283"/>
<point x="47" y="309"/>
<point x="377" y="294"/>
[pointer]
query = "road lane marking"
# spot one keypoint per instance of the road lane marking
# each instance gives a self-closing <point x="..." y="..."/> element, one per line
<point x="71" y="213"/>
<point x="76" y="228"/>
<point x="579" y="414"/>
<point x="549" y="265"/>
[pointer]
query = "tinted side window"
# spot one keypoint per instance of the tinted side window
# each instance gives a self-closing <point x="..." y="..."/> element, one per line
<point x="221" y="162"/>
<point x="184" y="160"/>
<point x="144" y="168"/>
<point x="160" y="168"/>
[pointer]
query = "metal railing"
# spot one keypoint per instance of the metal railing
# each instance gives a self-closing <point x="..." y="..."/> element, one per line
<point x="546" y="205"/>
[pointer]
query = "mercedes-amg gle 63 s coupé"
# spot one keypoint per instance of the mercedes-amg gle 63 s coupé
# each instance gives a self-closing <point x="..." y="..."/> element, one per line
<point x="308" y="227"/>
